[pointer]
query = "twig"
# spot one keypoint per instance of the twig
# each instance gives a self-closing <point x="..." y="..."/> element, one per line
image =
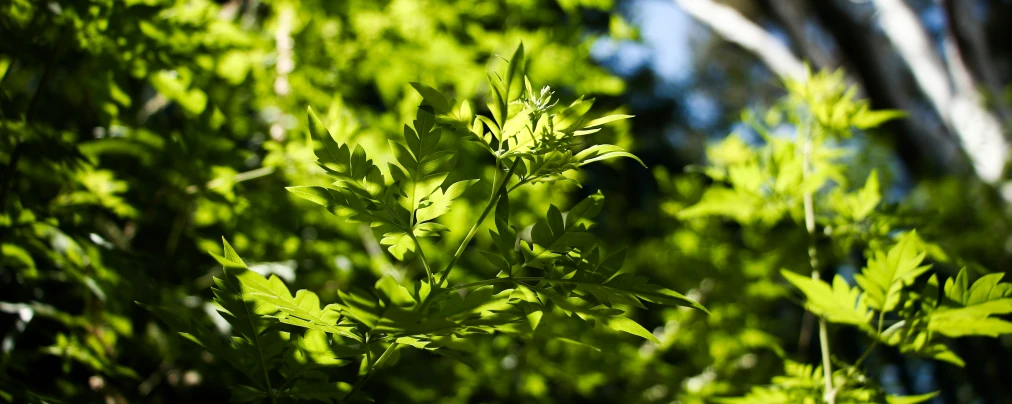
<point x="474" y="229"/>
<point x="421" y="255"/>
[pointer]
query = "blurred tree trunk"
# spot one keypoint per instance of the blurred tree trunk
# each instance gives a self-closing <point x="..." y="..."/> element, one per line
<point x="923" y="142"/>
<point x="948" y="87"/>
<point x="792" y="14"/>
<point x="946" y="84"/>
<point x="734" y="27"/>
<point x="971" y="41"/>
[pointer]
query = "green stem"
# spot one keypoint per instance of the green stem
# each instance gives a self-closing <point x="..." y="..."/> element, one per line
<point x="813" y="258"/>
<point x="881" y="319"/>
<point x="481" y="283"/>
<point x="421" y="255"/>
<point x="474" y="229"/>
<point x="863" y="357"/>
<point x="517" y="185"/>
<point x="260" y="354"/>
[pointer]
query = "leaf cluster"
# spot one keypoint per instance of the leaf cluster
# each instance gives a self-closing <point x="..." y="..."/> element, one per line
<point x="548" y="271"/>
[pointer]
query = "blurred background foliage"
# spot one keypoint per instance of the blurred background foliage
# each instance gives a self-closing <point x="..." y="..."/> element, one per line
<point x="135" y="133"/>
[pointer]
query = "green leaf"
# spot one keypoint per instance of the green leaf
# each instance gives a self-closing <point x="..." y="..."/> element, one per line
<point x="393" y="292"/>
<point x="433" y="98"/>
<point x="439" y="202"/>
<point x="568" y="120"/>
<point x="534" y="313"/>
<point x="968" y="311"/>
<point x="609" y="317"/>
<point x="719" y="201"/>
<point x="838" y="304"/>
<point x="624" y="324"/>
<point x="630" y="289"/>
<point x="870" y="119"/>
<point x="513" y="85"/>
<point x="498" y="105"/>
<point x="867" y="198"/>
<point x="210" y="340"/>
<point x="606" y="119"/>
<point x="604" y="152"/>
<point x="988" y="288"/>
<point x="359" y="190"/>
<point x="418" y="172"/>
<point x="344" y="203"/>
<point x="920" y="398"/>
<point x="887" y="273"/>
<point x="399" y="244"/>
<point x="316" y="347"/>
<point x="329" y="152"/>
<point x="270" y="298"/>
<point x="249" y="317"/>
<point x="558" y="234"/>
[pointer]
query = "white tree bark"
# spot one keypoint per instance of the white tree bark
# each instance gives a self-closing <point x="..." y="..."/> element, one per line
<point x="960" y="110"/>
<point x="975" y="50"/>
<point x="734" y="27"/>
<point x="955" y="101"/>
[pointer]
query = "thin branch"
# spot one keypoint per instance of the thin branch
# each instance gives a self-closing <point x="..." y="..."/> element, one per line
<point x="421" y="255"/>
<point x="813" y="258"/>
<point x="474" y="229"/>
<point x="481" y="284"/>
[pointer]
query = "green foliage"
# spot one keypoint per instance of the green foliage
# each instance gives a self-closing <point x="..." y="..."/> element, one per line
<point x="134" y="133"/>
<point x="804" y="179"/>
<point x="803" y="384"/>
<point x="575" y="280"/>
<point x="885" y="286"/>
<point x="838" y="303"/>
<point x="887" y="273"/>
<point x="255" y="307"/>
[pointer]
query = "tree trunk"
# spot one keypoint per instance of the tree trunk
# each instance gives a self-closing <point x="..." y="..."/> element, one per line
<point x="734" y="27"/>
<point x="977" y="129"/>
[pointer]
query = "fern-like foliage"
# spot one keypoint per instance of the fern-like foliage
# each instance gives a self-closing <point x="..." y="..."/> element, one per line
<point x="839" y="303"/>
<point x="801" y="179"/>
<point x="803" y="383"/>
<point x="925" y="316"/>
<point x="888" y="273"/>
<point x="548" y="270"/>
<point x="277" y="362"/>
